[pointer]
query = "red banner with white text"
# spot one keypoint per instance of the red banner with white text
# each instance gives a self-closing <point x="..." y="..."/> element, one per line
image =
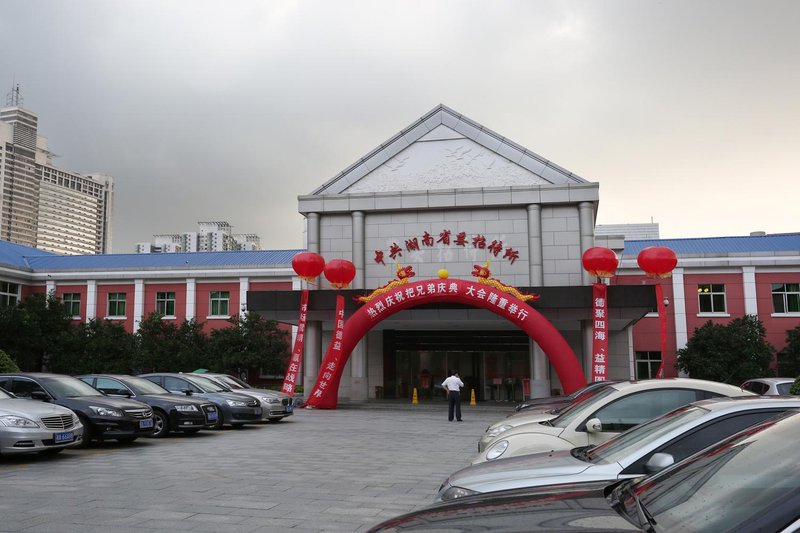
<point x="290" y="381"/>
<point x="599" y="333"/>
<point x="326" y="388"/>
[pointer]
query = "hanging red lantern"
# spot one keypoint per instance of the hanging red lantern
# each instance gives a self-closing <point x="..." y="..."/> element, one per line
<point x="600" y="262"/>
<point x="657" y="261"/>
<point x="308" y="265"/>
<point x="340" y="272"/>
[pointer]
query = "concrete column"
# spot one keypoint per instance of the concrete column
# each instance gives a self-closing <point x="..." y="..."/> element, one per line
<point x="749" y="282"/>
<point x="540" y="374"/>
<point x="51" y="287"/>
<point x="586" y="218"/>
<point x="191" y="294"/>
<point x="313" y="354"/>
<point x="138" y="303"/>
<point x="312" y="232"/>
<point x="244" y="286"/>
<point x="679" y="309"/>
<point x="91" y="299"/>
<point x="587" y="338"/>
<point x="536" y="259"/>
<point x="358" y="249"/>
<point x="631" y="354"/>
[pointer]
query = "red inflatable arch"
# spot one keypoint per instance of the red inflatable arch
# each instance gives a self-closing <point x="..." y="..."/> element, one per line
<point x="325" y="392"/>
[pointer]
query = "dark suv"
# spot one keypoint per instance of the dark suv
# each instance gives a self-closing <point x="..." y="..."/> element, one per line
<point x="102" y="417"/>
<point x="171" y="412"/>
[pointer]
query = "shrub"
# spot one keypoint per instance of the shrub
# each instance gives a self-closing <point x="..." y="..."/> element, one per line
<point x="7" y="364"/>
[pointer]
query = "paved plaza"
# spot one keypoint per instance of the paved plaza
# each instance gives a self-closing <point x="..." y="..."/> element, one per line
<point x="336" y="470"/>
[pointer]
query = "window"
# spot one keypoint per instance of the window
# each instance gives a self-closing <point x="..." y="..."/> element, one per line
<point x="219" y="303"/>
<point x="165" y="303"/>
<point x="637" y="408"/>
<point x="786" y="298"/>
<point x="711" y="298"/>
<point x="9" y="294"/>
<point x="647" y="364"/>
<point x="116" y="304"/>
<point x="72" y="302"/>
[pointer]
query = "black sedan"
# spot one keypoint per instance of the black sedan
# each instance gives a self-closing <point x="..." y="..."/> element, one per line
<point x="170" y="412"/>
<point x="103" y="417"/>
<point x="747" y="482"/>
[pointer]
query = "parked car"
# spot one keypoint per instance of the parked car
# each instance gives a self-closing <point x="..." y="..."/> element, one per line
<point x="170" y="412"/>
<point x="29" y="427"/>
<point x="610" y="411"/>
<point x="769" y="386"/>
<point x="553" y="402"/>
<point x="747" y="482"/>
<point x="233" y="409"/>
<point x="102" y="417"/>
<point x="644" y="449"/>
<point x="277" y="405"/>
<point x="536" y="413"/>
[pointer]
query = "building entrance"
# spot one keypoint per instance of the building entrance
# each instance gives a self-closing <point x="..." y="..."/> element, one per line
<point x="492" y="364"/>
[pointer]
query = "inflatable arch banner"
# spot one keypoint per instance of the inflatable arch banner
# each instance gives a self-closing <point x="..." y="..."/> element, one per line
<point x="324" y="395"/>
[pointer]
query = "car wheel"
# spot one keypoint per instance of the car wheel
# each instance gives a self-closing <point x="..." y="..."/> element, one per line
<point x="87" y="432"/>
<point x="126" y="440"/>
<point x="160" y="424"/>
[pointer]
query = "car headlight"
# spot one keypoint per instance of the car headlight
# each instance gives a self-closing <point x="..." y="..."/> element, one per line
<point x="456" y="492"/>
<point x="105" y="411"/>
<point x="186" y="408"/>
<point x="236" y="403"/>
<point x="497" y="449"/>
<point x="17" y="422"/>
<point x="495" y="431"/>
<point x="270" y="399"/>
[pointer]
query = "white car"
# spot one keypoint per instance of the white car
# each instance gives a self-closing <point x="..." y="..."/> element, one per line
<point x="533" y="414"/>
<point x="612" y="410"/>
<point x="28" y="427"/>
<point x="643" y="450"/>
<point x="769" y="386"/>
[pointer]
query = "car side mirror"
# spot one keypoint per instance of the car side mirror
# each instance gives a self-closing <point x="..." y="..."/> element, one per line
<point x="187" y="392"/>
<point x="659" y="461"/>
<point x="594" y="425"/>
<point x="40" y="395"/>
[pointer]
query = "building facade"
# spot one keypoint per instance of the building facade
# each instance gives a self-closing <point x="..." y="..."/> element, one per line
<point x="43" y="206"/>
<point x="209" y="237"/>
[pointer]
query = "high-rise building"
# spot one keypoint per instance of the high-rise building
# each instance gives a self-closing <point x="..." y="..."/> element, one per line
<point x="43" y="206"/>
<point x="209" y="237"/>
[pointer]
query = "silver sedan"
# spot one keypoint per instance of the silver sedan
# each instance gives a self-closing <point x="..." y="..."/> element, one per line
<point x="30" y="427"/>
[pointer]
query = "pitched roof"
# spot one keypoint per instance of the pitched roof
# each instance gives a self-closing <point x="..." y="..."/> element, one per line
<point x="779" y="242"/>
<point x="443" y="124"/>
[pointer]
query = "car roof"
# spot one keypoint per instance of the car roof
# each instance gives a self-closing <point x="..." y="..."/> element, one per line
<point x="743" y="402"/>
<point x="770" y="380"/>
<point x="725" y="388"/>
<point x="36" y="375"/>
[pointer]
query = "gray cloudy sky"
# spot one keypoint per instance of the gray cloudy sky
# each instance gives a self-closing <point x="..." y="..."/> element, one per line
<point x="685" y="112"/>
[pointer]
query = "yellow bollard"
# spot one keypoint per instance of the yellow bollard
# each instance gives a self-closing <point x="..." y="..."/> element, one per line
<point x="472" y="398"/>
<point x="414" y="397"/>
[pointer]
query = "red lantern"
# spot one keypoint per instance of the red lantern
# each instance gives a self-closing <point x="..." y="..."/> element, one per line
<point x="308" y="265"/>
<point x="340" y="272"/>
<point x="657" y="261"/>
<point x="600" y="262"/>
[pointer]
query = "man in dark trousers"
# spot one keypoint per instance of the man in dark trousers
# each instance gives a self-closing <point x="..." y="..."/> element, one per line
<point x="453" y="385"/>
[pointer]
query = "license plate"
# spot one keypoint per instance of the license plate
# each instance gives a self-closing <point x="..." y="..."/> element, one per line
<point x="257" y="410"/>
<point x="65" y="436"/>
<point x="146" y="423"/>
<point x="212" y="415"/>
<point x="289" y="408"/>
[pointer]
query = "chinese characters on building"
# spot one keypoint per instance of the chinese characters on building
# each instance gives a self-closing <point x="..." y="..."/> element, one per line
<point x="446" y="238"/>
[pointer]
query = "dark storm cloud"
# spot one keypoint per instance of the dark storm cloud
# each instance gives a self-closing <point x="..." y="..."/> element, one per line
<point x="684" y="111"/>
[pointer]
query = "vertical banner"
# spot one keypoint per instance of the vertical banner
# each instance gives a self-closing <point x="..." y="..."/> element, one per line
<point x="325" y="392"/>
<point x="599" y="333"/>
<point x="662" y="327"/>
<point x="290" y="381"/>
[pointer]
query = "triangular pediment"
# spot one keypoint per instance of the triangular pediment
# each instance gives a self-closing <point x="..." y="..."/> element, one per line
<point x="445" y="150"/>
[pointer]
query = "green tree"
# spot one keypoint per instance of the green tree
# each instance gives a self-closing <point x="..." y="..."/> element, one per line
<point x="166" y="347"/>
<point x="33" y="331"/>
<point x="7" y="364"/>
<point x="250" y="342"/>
<point x="789" y="356"/>
<point x="729" y="354"/>
<point x="98" y="346"/>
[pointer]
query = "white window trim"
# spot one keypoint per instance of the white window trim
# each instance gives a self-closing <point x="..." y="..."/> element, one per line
<point x="785" y="315"/>
<point x="115" y="318"/>
<point x="214" y="317"/>
<point x="714" y="314"/>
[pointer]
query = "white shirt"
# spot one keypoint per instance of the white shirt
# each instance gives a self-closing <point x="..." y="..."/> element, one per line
<point x="453" y="383"/>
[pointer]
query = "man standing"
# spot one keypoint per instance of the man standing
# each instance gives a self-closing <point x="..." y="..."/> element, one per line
<point x="453" y="385"/>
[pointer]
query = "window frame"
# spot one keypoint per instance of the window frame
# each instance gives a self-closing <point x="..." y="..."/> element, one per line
<point x="648" y="359"/>
<point x="69" y="300"/>
<point x="8" y="298"/>
<point x="114" y="297"/>
<point x="711" y="293"/>
<point x="789" y="297"/>
<point x="215" y="301"/>
<point x="165" y="298"/>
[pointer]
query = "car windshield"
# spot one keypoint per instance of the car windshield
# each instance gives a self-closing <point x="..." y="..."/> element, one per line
<point x="730" y="484"/>
<point x="69" y="387"/>
<point x="229" y="381"/>
<point x="624" y="444"/>
<point x="208" y="385"/>
<point x="141" y="386"/>
<point x="576" y="408"/>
